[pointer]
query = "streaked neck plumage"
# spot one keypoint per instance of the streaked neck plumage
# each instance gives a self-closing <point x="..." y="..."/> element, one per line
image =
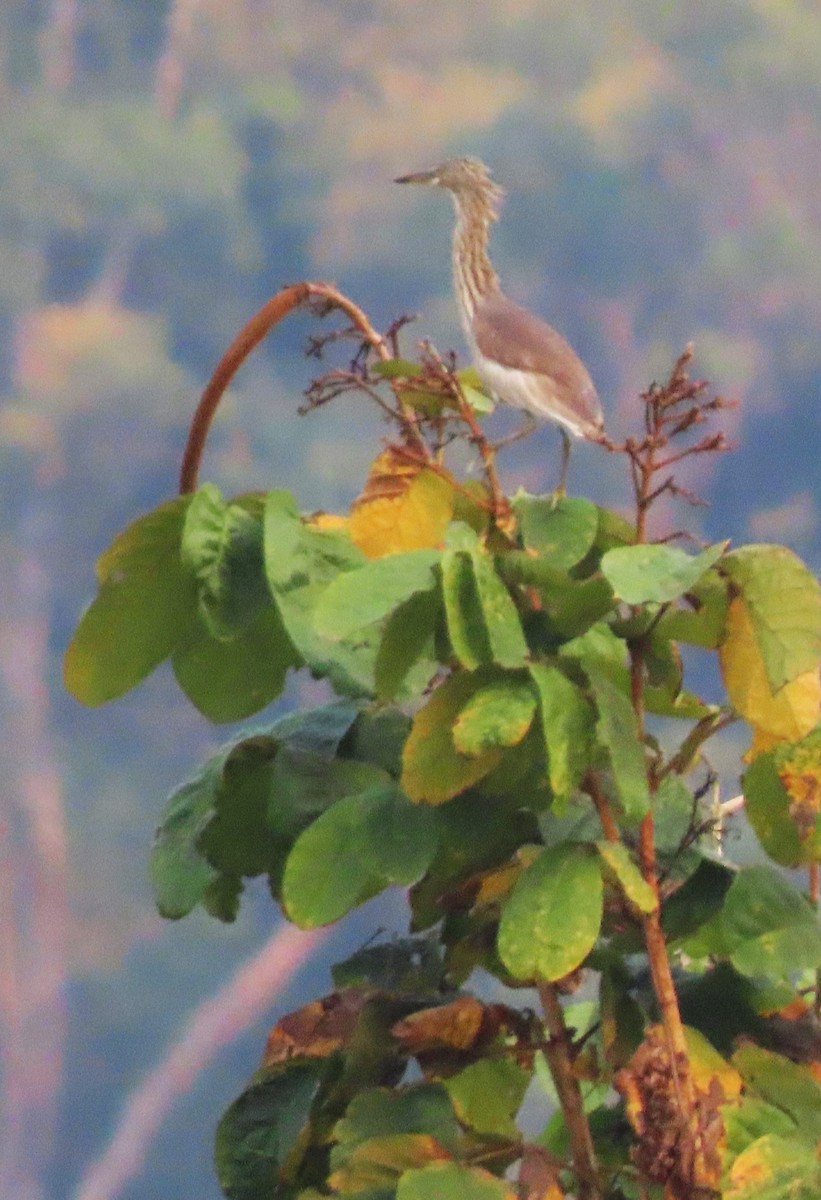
<point x="473" y="275"/>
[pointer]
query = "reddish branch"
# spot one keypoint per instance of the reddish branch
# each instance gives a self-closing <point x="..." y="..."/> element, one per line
<point x="327" y="297"/>
<point x="559" y="1054"/>
<point x="671" y="410"/>
<point x="438" y="377"/>
<point x="594" y="790"/>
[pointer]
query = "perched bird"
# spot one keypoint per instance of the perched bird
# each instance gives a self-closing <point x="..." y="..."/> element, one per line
<point x="521" y="359"/>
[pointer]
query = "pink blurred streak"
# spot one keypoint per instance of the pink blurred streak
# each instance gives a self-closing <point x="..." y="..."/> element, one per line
<point x="216" y="1022"/>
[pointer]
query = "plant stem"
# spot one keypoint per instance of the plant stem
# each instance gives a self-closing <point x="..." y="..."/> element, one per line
<point x="251" y="334"/>
<point x="248" y="337"/>
<point x="502" y="512"/>
<point x="560" y="1059"/>
<point x="644" y="465"/>
<point x="608" y="822"/>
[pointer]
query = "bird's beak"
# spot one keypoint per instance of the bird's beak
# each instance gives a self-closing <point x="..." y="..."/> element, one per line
<point x="419" y="177"/>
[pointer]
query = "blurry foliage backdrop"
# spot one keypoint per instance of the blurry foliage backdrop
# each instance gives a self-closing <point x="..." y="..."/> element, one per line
<point x="164" y="167"/>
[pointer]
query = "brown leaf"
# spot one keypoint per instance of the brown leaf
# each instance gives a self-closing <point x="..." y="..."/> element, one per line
<point x="800" y="772"/>
<point x="539" y="1175"/>
<point x="665" y="1148"/>
<point x="454" y="1026"/>
<point x="316" y="1030"/>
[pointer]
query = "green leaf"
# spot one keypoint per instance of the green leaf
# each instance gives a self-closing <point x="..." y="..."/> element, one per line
<point x="655" y="573"/>
<point x="144" y="607"/>
<point x="790" y="833"/>
<point x="300" y="563"/>
<point x="551" y="920"/>
<point x="768" y="927"/>
<point x="396" y="368"/>
<point x="358" y="847"/>
<point x="318" y="730"/>
<point x="488" y="1094"/>
<point x="261" y="1130"/>
<point x="463" y="611"/>
<point x="750" y="1119"/>
<point x="784" y="602"/>
<point x="403" y="965"/>
<point x="433" y="770"/>
<point x="222" y="548"/>
<point x="581" y="606"/>
<point x="477" y="398"/>
<point x="468" y="846"/>
<point x="372" y="1170"/>
<point x="471" y="377"/>
<point x="452" y="1181"/>
<point x="619" y="864"/>
<point x="378" y="736"/>
<point x="237" y="841"/>
<point x="221" y="899"/>
<point x="506" y="640"/>
<point x="562" y="530"/>
<point x="483" y="622"/>
<point x="618" y="733"/>
<point x="304" y="783"/>
<point x="263" y="802"/>
<point x="180" y="873"/>
<point x="406" y="658"/>
<point x="699" y="900"/>
<point x="362" y="597"/>
<point x="475" y="391"/>
<point x="704" y="625"/>
<point x="600" y="647"/>
<point x="380" y="1112"/>
<point x="621" y="1018"/>
<point x="613" y="530"/>
<point x="567" y="725"/>
<point x="499" y="714"/>
<point x="230" y="680"/>
<point x="787" y="1085"/>
<point x="775" y="1168"/>
<point x="674" y="811"/>
<point x="577" y="821"/>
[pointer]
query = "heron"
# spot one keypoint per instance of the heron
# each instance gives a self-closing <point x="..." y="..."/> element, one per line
<point x="522" y="361"/>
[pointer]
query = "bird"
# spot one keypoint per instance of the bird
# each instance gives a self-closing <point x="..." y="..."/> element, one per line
<point x="522" y="361"/>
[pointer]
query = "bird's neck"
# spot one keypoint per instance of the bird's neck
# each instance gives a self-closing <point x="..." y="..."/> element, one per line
<point x="473" y="274"/>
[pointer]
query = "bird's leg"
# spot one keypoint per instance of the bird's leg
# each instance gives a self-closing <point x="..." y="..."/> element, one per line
<point x="525" y="429"/>
<point x="560" y="491"/>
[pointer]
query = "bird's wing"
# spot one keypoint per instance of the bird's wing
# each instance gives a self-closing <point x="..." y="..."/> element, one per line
<point x="509" y="334"/>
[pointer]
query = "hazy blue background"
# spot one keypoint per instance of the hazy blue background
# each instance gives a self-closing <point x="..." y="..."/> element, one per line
<point x="163" y="169"/>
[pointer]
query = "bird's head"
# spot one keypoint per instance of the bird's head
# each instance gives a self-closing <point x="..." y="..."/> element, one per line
<point x="464" y="177"/>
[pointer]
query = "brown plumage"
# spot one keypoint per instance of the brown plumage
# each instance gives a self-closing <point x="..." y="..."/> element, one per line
<point x="522" y="360"/>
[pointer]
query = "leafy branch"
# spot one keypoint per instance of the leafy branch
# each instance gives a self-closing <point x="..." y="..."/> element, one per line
<point x="501" y="671"/>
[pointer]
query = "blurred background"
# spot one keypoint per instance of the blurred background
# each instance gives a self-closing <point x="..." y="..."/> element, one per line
<point x="164" y="168"/>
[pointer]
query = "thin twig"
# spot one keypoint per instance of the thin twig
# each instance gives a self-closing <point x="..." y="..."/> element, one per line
<point x="592" y="786"/>
<point x="559" y="1054"/>
<point x="323" y="297"/>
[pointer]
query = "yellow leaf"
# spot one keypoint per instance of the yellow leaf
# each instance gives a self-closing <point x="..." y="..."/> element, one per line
<point x="326" y="520"/>
<point x="787" y="715"/>
<point x="402" y="508"/>
<point x="433" y="770"/>
<point x="773" y="1166"/>
<point x="800" y="772"/>
<point x="495" y="885"/>
<point x="709" y="1068"/>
